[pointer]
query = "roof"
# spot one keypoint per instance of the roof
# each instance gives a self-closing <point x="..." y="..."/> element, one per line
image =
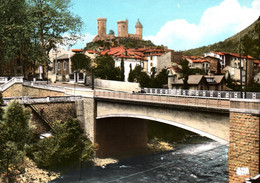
<point x="200" y="61"/>
<point x="77" y="50"/>
<point x="233" y="54"/>
<point x="192" y="80"/>
<point x="138" y="24"/>
<point x="217" y="79"/>
<point x="121" y="52"/>
<point x="92" y="51"/>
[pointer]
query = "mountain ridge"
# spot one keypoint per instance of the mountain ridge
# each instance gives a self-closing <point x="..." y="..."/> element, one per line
<point x="231" y="44"/>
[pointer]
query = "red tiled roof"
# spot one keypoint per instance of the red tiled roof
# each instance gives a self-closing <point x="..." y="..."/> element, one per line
<point x="77" y="50"/>
<point x="199" y="61"/>
<point x="122" y="52"/>
<point x="233" y="54"/>
<point x="91" y="51"/>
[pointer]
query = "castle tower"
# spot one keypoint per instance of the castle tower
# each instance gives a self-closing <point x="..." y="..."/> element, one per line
<point x="139" y="30"/>
<point x="122" y="28"/>
<point x="101" y="26"/>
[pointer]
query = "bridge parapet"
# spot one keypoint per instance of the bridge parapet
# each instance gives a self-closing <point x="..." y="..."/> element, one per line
<point x="33" y="100"/>
<point x="166" y="99"/>
<point x="203" y="93"/>
<point x="9" y="83"/>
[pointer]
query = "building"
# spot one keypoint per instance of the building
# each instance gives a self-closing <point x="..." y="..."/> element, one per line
<point x="198" y="63"/>
<point x="201" y="82"/>
<point x="174" y="73"/>
<point x="195" y="82"/>
<point x="122" y="30"/>
<point x="232" y="62"/>
<point x="130" y="57"/>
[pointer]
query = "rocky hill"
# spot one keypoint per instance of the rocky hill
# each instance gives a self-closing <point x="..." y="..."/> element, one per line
<point x="232" y="44"/>
<point x="126" y="42"/>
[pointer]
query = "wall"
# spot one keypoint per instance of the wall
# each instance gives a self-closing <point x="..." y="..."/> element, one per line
<point x="51" y="112"/>
<point x="115" y="85"/>
<point x="243" y="156"/>
<point x="17" y="90"/>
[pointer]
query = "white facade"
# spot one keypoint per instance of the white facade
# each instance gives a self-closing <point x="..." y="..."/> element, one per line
<point x="152" y="62"/>
<point x="127" y="63"/>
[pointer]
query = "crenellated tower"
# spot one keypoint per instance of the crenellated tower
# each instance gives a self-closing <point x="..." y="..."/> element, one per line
<point x="122" y="28"/>
<point x="101" y="26"/>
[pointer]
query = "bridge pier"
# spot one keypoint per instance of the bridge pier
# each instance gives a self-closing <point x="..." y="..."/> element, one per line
<point x="243" y="155"/>
<point x="86" y="114"/>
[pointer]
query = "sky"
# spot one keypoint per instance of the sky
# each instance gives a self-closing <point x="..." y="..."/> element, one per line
<point x="177" y="24"/>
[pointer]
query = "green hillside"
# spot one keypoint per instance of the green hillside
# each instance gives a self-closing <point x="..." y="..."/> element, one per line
<point x="232" y="44"/>
<point x="126" y="42"/>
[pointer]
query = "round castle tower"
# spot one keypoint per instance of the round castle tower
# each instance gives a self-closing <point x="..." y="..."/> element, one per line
<point x="139" y="30"/>
<point x="101" y="26"/>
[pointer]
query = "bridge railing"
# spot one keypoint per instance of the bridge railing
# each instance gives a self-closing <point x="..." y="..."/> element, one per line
<point x="35" y="100"/>
<point x="203" y="93"/>
<point x="11" y="82"/>
<point x="167" y="99"/>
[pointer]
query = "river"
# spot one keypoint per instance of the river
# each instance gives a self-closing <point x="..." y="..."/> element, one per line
<point x="196" y="160"/>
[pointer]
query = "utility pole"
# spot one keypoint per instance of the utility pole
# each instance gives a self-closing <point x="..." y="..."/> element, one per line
<point x="240" y="67"/>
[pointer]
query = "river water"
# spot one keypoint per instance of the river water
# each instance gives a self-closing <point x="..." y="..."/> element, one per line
<point x="197" y="160"/>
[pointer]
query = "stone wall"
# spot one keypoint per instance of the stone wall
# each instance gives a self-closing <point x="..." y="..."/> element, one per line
<point x="51" y="112"/>
<point x="243" y="153"/>
<point x="18" y="90"/>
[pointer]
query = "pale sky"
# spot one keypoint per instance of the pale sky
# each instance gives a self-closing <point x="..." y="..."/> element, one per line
<point x="177" y="24"/>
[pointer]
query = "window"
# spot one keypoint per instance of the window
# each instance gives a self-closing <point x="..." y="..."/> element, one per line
<point x="58" y="65"/>
<point x="151" y="64"/>
<point x="64" y="65"/>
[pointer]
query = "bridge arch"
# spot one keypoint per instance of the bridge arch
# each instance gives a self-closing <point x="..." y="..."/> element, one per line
<point x="169" y="122"/>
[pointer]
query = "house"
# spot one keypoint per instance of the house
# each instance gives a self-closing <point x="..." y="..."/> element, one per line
<point x="174" y="73"/>
<point x="195" y="82"/>
<point x="130" y="57"/>
<point x="196" y="62"/>
<point x="215" y="67"/>
<point x="202" y="82"/>
<point x="216" y="82"/>
<point x="230" y="62"/>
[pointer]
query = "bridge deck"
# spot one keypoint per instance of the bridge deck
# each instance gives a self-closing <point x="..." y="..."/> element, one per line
<point x="189" y="101"/>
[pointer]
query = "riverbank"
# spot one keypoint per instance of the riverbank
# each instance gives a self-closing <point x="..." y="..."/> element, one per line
<point x="29" y="172"/>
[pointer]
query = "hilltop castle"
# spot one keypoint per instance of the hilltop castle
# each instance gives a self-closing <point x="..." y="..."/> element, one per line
<point x="122" y="30"/>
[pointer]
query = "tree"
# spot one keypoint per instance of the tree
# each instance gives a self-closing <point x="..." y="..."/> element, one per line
<point x="1" y="105"/>
<point x="80" y="62"/>
<point x="67" y="146"/>
<point x="15" y="133"/>
<point x="122" y="70"/>
<point x="13" y="30"/>
<point x="160" y="80"/>
<point x="140" y="77"/>
<point x="111" y="32"/>
<point x="106" y="68"/>
<point x="50" y="21"/>
<point x="131" y="74"/>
